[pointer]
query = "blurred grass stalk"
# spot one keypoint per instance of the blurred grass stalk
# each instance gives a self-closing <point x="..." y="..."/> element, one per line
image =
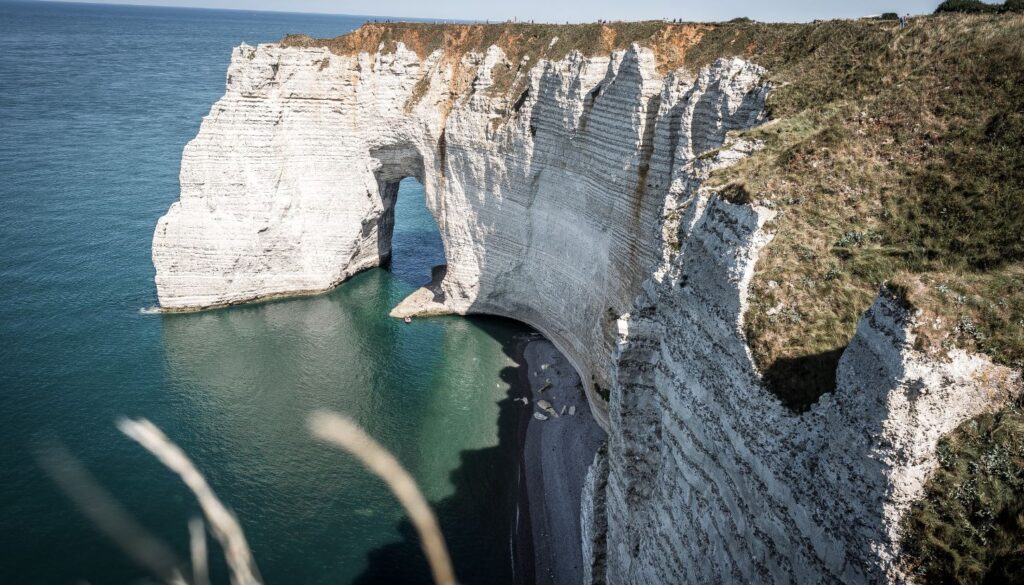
<point x="343" y="432"/>
<point x="223" y="524"/>
<point x="109" y="516"/>
<point x="152" y="554"/>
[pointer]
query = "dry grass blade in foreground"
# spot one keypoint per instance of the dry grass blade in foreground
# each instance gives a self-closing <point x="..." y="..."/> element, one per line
<point x="223" y="523"/>
<point x="109" y="515"/>
<point x="197" y="544"/>
<point x="345" y="433"/>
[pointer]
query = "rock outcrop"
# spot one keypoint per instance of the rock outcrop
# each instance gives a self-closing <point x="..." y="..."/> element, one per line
<point x="578" y="207"/>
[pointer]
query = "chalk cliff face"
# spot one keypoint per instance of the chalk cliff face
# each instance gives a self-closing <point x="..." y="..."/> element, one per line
<point x="578" y="207"/>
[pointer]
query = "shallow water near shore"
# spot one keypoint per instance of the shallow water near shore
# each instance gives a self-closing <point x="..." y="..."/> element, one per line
<point x="98" y="102"/>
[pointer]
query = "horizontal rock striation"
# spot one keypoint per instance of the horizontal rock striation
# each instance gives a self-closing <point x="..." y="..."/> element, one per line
<point x="577" y="206"/>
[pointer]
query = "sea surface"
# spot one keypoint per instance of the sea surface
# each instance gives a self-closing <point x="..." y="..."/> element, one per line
<point x="96" y="103"/>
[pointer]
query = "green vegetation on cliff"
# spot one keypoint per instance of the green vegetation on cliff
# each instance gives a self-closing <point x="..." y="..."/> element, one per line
<point x="891" y="156"/>
<point x="968" y="527"/>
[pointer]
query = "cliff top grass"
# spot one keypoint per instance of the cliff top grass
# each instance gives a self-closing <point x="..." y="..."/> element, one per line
<point x="892" y="156"/>
<point x="523" y="44"/>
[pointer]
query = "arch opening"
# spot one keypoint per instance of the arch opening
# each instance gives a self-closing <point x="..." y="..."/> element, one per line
<point x="408" y="238"/>
<point x="416" y="254"/>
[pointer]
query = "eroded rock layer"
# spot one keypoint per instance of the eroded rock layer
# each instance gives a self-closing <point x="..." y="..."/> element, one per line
<point x="577" y="206"/>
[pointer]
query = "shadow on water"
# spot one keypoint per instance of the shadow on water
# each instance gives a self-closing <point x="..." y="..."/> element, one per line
<point x="485" y="494"/>
<point x="438" y="393"/>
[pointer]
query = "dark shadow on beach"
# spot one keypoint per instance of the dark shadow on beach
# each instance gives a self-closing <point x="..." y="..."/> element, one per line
<point x="486" y="492"/>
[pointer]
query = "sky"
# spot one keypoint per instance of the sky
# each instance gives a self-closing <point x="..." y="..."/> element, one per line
<point x="574" y="10"/>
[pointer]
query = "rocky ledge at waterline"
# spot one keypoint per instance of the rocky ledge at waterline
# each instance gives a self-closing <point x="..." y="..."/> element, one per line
<point x="569" y="187"/>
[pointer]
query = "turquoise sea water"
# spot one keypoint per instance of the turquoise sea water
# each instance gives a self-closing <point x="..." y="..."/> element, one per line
<point x="96" y="103"/>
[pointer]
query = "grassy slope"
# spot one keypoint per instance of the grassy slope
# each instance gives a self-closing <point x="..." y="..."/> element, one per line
<point x="892" y="156"/>
<point x="899" y="156"/>
<point x="969" y="527"/>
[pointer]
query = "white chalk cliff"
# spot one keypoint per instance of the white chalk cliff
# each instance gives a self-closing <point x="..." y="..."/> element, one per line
<point x="578" y="207"/>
